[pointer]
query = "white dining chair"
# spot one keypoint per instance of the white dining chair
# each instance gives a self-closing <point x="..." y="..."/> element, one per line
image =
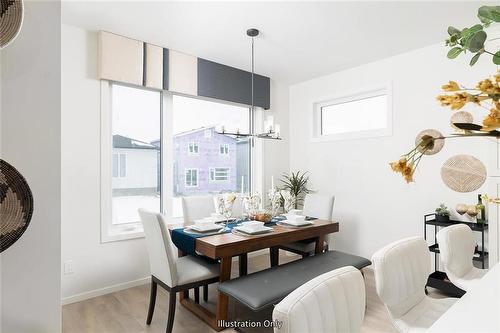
<point x="329" y="303"/>
<point x="456" y="248"/>
<point x="197" y="207"/>
<point x="401" y="271"/>
<point x="172" y="273"/>
<point x="315" y="205"/>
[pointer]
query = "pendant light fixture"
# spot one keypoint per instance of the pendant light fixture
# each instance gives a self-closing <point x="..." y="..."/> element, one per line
<point x="271" y="131"/>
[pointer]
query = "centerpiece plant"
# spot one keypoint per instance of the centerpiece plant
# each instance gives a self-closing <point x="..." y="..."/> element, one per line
<point x="296" y="184"/>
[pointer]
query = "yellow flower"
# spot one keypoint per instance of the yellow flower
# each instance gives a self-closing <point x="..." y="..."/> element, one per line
<point x="451" y="86"/>
<point x="492" y="120"/>
<point x="456" y="101"/>
<point x="408" y="173"/>
<point x="399" y="165"/>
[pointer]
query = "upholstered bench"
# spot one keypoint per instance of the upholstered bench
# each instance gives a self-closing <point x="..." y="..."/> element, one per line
<point x="263" y="289"/>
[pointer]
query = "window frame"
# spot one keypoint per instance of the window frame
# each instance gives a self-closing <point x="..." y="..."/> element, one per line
<point x="197" y="177"/>
<point x="225" y="149"/>
<point x="316" y="119"/>
<point x="256" y="158"/>
<point x="194" y="145"/>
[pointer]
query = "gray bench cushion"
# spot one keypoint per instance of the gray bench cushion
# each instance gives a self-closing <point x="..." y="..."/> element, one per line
<point x="270" y="286"/>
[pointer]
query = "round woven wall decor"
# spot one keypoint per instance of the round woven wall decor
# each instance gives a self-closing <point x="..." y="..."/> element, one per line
<point x="435" y="147"/>
<point x="463" y="173"/>
<point x="461" y="117"/>
<point x="11" y="19"/>
<point x="16" y="205"/>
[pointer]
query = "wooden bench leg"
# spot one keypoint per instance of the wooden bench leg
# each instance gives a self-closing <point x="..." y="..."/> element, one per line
<point x="274" y="256"/>
<point x="223" y="300"/>
<point x="197" y="295"/>
<point x="243" y="264"/>
<point x="205" y="293"/>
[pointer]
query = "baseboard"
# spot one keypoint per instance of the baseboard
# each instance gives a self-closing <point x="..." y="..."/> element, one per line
<point x="104" y="291"/>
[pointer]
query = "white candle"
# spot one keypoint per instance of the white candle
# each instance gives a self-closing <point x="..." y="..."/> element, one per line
<point x="270" y="123"/>
<point x="277" y="130"/>
<point x="242" y="184"/>
<point x="272" y="182"/>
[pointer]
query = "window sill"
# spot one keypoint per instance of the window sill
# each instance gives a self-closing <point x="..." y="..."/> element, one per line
<point x="117" y="233"/>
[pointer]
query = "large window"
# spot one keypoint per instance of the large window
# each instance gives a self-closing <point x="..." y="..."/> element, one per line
<point x="196" y="130"/>
<point x="366" y="114"/>
<point x="157" y="147"/>
<point x="135" y="155"/>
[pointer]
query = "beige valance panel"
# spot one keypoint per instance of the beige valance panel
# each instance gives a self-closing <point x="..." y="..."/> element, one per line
<point x="120" y="58"/>
<point x="130" y="61"/>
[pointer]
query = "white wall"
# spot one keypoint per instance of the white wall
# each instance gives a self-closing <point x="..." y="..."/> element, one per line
<point x="373" y="205"/>
<point x="31" y="142"/>
<point x="104" y="267"/>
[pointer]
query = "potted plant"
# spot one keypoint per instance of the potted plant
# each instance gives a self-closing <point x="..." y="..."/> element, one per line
<point x="296" y="184"/>
<point x="442" y="213"/>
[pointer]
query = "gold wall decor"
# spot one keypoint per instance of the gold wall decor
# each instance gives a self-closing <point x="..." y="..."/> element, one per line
<point x="461" y="117"/>
<point x="463" y="173"/>
<point x="434" y="147"/>
<point x="11" y="20"/>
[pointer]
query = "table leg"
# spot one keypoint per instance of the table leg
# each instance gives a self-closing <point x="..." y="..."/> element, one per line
<point x="320" y="241"/>
<point x="243" y="263"/>
<point x="274" y="253"/>
<point x="222" y="299"/>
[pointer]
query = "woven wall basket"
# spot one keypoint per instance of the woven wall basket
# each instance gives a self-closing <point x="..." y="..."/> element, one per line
<point x="16" y="205"/>
<point x="463" y="173"/>
<point x="11" y="20"/>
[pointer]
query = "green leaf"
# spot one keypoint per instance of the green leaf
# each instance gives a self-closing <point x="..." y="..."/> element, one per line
<point x="453" y="31"/>
<point x="454" y="52"/>
<point x="476" y="43"/>
<point x="489" y="13"/>
<point x="496" y="58"/>
<point x="475" y="58"/>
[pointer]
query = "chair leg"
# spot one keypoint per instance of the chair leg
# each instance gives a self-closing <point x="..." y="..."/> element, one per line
<point x="205" y="293"/>
<point x="274" y="256"/>
<point x="171" y="311"/>
<point x="152" y="302"/>
<point x="197" y="295"/>
<point x="243" y="264"/>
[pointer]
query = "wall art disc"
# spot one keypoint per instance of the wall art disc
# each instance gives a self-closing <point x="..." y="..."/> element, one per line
<point x="16" y="205"/>
<point x="436" y="145"/>
<point x="463" y="173"/>
<point x="11" y="20"/>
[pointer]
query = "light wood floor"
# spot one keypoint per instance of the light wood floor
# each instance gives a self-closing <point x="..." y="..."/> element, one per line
<point x="125" y="311"/>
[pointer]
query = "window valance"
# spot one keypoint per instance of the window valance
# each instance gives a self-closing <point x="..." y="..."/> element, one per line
<point x="130" y="61"/>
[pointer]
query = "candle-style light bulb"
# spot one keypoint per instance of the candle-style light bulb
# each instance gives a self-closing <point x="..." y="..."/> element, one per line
<point x="277" y="130"/>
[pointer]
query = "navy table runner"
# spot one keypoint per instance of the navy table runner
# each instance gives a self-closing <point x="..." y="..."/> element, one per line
<point x="186" y="242"/>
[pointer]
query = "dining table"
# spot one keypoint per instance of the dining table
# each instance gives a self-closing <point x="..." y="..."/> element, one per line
<point x="223" y="247"/>
<point x="477" y="311"/>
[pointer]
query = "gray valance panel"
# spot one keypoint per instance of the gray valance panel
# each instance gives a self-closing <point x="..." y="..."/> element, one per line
<point x="232" y="84"/>
<point x="130" y="61"/>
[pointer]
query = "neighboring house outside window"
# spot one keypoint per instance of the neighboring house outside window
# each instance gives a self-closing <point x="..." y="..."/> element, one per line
<point x="219" y="174"/>
<point x="224" y="149"/>
<point x="210" y="157"/>
<point x="191" y="178"/>
<point x="193" y="148"/>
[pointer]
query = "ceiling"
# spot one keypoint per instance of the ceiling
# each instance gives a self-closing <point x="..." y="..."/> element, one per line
<point x="299" y="40"/>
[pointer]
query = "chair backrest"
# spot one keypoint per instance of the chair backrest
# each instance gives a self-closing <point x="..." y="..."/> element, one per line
<point x="456" y="247"/>
<point x="162" y="255"/>
<point x="197" y="207"/>
<point x="318" y="205"/>
<point x="401" y="271"/>
<point x="332" y="302"/>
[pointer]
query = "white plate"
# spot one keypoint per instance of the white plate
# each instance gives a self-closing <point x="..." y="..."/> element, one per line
<point x="296" y="223"/>
<point x="252" y="231"/>
<point x="205" y="228"/>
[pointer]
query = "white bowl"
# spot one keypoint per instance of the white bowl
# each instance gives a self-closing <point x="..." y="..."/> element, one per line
<point x="293" y="217"/>
<point x="204" y="222"/>
<point x="253" y="225"/>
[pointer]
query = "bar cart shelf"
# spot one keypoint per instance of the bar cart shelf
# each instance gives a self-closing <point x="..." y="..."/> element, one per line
<point x="439" y="279"/>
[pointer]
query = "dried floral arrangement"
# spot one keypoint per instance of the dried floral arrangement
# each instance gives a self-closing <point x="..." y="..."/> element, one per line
<point x="485" y="94"/>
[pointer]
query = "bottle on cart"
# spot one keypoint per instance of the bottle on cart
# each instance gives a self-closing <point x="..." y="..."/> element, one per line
<point x="481" y="211"/>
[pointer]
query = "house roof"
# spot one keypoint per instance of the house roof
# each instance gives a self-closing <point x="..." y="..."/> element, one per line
<point x="120" y="141"/>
